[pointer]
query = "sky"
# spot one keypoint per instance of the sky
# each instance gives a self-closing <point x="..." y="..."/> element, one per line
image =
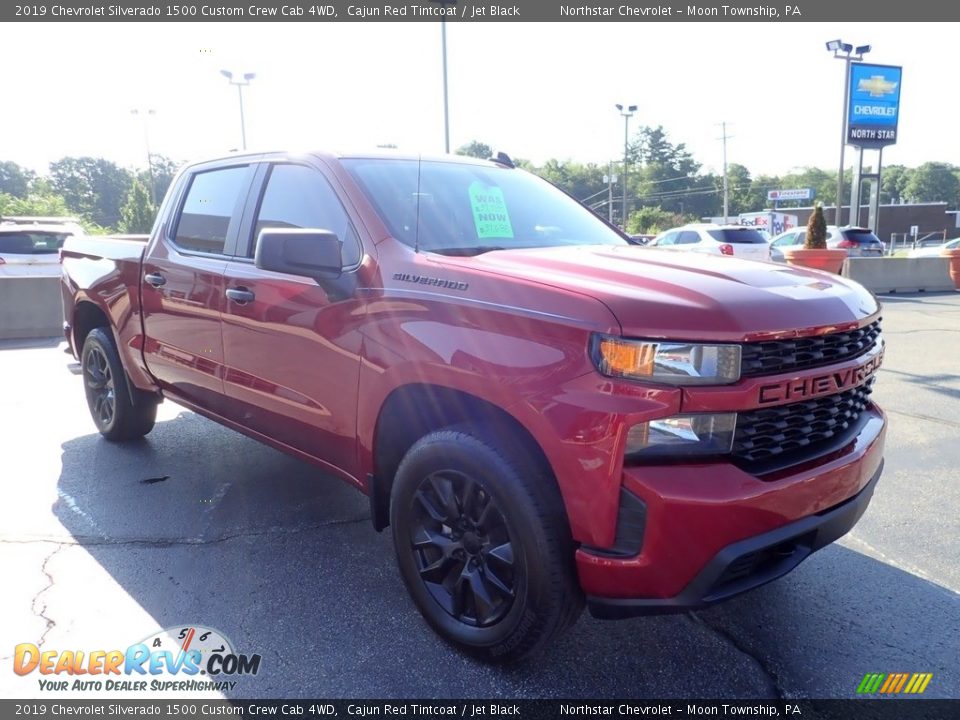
<point x="535" y="91"/>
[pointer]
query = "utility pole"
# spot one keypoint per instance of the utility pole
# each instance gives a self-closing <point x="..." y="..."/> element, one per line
<point x="726" y="186"/>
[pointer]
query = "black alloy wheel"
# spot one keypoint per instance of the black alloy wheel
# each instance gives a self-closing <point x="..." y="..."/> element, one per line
<point x="463" y="549"/>
<point x="483" y="543"/>
<point x="119" y="410"/>
<point x="101" y="390"/>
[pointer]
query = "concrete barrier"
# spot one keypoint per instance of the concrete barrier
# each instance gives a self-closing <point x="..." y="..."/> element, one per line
<point x="900" y="274"/>
<point x="30" y="307"/>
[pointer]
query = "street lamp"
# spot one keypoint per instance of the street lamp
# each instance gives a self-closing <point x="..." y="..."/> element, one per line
<point x="847" y="53"/>
<point x="627" y="114"/>
<point x="443" y="42"/>
<point x="144" y="115"/>
<point x="247" y="77"/>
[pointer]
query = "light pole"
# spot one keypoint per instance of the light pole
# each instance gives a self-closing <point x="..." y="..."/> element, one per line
<point x="443" y="49"/>
<point x="247" y="77"/>
<point x="845" y="51"/>
<point x="627" y="114"/>
<point x="144" y="115"/>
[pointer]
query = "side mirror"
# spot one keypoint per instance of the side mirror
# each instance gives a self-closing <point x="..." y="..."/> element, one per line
<point x="308" y="252"/>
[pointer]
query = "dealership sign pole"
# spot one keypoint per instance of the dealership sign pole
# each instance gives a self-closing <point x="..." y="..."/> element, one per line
<point x="873" y="114"/>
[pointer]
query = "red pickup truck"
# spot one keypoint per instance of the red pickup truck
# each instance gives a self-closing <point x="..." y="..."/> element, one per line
<point x="544" y="414"/>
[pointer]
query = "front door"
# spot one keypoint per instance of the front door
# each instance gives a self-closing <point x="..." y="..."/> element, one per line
<point x="292" y="354"/>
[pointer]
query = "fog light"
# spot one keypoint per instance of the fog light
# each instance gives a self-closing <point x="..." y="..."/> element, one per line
<point x="706" y="434"/>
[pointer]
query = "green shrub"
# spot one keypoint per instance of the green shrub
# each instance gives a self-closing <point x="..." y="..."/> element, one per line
<point x="816" y="230"/>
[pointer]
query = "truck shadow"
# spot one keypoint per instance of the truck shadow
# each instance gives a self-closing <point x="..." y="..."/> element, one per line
<point x="202" y="526"/>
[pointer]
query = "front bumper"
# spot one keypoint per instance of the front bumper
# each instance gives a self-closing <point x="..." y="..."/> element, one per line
<point x="713" y="530"/>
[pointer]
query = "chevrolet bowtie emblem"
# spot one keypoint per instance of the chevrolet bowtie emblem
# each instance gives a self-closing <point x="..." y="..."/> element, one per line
<point x="877" y="86"/>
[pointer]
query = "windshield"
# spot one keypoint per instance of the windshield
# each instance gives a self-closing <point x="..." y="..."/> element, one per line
<point x="469" y="209"/>
<point x="31" y="242"/>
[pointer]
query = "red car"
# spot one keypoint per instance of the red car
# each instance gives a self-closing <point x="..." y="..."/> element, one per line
<point x="543" y="414"/>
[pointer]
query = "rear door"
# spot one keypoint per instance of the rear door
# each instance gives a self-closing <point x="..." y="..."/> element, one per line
<point x="182" y="284"/>
<point x="292" y="353"/>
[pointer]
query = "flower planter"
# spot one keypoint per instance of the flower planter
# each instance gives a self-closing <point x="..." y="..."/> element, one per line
<point x="829" y="260"/>
<point x="953" y="258"/>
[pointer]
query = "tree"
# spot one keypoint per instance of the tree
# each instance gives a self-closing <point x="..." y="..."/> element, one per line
<point x="476" y="149"/>
<point x="40" y="201"/>
<point x="652" y="220"/>
<point x="669" y="175"/>
<point x="933" y="182"/>
<point x="739" y="189"/>
<point x="164" y="170"/>
<point x="94" y="187"/>
<point x="584" y="182"/>
<point x="15" y="180"/>
<point x="138" y="212"/>
<point x="894" y="183"/>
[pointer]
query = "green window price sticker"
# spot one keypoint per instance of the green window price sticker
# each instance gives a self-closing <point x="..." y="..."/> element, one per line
<point x="490" y="216"/>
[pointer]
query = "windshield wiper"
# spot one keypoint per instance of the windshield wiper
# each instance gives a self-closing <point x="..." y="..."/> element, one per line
<point x="465" y="251"/>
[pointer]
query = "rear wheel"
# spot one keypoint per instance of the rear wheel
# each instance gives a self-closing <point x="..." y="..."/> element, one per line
<point x="117" y="414"/>
<point x="483" y="546"/>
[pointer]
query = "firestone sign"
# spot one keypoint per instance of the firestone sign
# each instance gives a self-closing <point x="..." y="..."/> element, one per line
<point x="874" y="108"/>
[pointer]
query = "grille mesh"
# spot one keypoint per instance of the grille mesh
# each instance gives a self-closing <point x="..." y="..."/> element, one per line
<point x="769" y="432"/>
<point x="778" y="356"/>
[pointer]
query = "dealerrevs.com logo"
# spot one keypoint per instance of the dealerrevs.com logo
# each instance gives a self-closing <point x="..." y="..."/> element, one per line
<point x="187" y="658"/>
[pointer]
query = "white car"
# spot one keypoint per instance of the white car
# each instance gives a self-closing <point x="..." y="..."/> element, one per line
<point x="32" y="249"/>
<point x="732" y="240"/>
<point x="935" y="250"/>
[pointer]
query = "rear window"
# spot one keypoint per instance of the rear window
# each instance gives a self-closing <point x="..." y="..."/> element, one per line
<point x="31" y="243"/>
<point x="746" y="236"/>
<point x="861" y="236"/>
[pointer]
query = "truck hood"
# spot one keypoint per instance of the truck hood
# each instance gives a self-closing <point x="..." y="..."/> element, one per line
<point x="690" y="296"/>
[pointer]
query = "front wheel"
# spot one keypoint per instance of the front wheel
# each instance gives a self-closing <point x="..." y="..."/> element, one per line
<point x="117" y="413"/>
<point x="483" y="546"/>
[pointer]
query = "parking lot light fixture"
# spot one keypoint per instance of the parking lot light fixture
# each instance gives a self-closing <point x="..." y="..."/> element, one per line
<point x="627" y="113"/>
<point x="845" y="51"/>
<point x="144" y="115"/>
<point x="247" y="77"/>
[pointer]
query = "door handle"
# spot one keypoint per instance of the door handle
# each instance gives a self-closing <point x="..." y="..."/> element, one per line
<point x="155" y="279"/>
<point x="241" y="295"/>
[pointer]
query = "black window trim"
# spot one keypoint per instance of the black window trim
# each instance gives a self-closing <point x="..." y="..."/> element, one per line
<point x="230" y="242"/>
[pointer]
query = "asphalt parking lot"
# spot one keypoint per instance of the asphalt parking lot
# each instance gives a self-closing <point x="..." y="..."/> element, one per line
<point x="102" y="545"/>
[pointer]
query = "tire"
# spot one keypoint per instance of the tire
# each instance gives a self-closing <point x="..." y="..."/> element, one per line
<point x="483" y="545"/>
<point x="118" y="414"/>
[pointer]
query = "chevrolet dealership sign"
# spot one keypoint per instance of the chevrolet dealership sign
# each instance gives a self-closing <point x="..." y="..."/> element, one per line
<point x="874" y="105"/>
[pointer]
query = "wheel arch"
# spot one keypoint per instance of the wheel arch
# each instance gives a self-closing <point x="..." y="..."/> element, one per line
<point x="414" y="410"/>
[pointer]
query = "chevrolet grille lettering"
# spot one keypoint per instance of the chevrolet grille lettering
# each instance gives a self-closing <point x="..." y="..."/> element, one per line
<point x="809" y="387"/>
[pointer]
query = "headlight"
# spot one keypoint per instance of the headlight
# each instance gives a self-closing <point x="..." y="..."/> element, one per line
<point x="706" y="434"/>
<point x="671" y="363"/>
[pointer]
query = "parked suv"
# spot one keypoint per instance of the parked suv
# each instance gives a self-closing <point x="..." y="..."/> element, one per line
<point x="857" y="241"/>
<point x="32" y="248"/>
<point x="734" y="240"/>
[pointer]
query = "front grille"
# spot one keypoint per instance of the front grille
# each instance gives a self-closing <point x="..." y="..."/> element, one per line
<point x="770" y="432"/>
<point x="779" y="356"/>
